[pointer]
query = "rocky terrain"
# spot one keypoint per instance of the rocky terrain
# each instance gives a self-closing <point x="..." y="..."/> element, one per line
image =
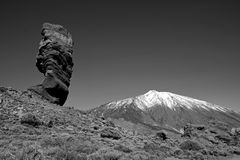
<point x="33" y="128"/>
<point x="54" y="60"/>
<point x="155" y="110"/>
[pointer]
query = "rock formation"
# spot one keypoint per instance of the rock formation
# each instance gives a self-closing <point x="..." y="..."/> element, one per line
<point x="54" y="60"/>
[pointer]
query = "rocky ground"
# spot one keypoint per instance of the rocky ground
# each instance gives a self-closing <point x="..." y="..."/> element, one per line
<point x="34" y="129"/>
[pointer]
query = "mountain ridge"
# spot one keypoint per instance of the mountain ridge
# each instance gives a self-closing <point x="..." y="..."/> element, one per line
<point x="152" y="97"/>
<point x="166" y="109"/>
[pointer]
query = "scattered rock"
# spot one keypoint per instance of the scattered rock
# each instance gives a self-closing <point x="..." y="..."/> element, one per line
<point x="162" y="134"/>
<point x="235" y="150"/>
<point x="214" y="131"/>
<point x="54" y="60"/>
<point x="224" y="138"/>
<point x="96" y="127"/>
<point x="210" y="139"/>
<point x="50" y="124"/>
<point x="199" y="127"/>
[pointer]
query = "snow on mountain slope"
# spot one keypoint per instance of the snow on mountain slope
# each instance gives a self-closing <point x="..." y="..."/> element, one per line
<point x="165" y="109"/>
<point x="167" y="99"/>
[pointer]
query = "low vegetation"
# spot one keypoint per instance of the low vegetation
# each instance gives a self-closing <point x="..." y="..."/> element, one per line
<point x="33" y="129"/>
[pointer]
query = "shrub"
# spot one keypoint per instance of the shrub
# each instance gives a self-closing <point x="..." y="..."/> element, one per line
<point x="30" y="119"/>
<point x="50" y="141"/>
<point x="87" y="149"/>
<point x="151" y="147"/>
<point x="122" y="149"/>
<point x="190" y="145"/>
<point x="5" y="155"/>
<point x="94" y="157"/>
<point x="31" y="152"/>
<point x="177" y="152"/>
<point x="106" y="154"/>
<point x="199" y="156"/>
<point x="65" y="155"/>
<point x="113" y="155"/>
<point x="110" y="133"/>
<point x="110" y="123"/>
<point x="141" y="155"/>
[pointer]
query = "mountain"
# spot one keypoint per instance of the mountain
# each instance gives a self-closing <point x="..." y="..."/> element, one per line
<point x="34" y="124"/>
<point x="164" y="110"/>
<point x="33" y="128"/>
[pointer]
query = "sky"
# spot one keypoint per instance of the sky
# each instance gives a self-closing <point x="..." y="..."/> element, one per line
<point x="125" y="48"/>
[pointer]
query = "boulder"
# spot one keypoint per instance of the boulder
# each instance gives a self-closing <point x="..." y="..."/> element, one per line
<point x="162" y="134"/>
<point x="54" y="60"/>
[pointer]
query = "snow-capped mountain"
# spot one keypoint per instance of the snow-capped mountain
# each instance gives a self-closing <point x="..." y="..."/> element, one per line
<point x="167" y="99"/>
<point x="166" y="110"/>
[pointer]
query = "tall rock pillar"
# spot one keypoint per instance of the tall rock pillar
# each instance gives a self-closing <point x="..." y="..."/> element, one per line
<point x="54" y="60"/>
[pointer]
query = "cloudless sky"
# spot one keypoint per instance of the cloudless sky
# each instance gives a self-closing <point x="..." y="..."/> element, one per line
<point x="125" y="48"/>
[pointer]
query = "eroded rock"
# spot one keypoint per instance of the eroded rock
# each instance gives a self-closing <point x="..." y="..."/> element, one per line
<point x="54" y="60"/>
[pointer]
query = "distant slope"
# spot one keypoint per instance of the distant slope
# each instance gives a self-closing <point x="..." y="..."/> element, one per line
<point x="167" y="110"/>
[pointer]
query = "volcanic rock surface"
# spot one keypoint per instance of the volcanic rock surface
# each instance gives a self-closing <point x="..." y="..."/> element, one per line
<point x="163" y="110"/>
<point x="32" y="128"/>
<point x="54" y="60"/>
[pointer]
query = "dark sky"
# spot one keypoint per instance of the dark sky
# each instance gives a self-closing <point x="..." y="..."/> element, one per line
<point x="124" y="49"/>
